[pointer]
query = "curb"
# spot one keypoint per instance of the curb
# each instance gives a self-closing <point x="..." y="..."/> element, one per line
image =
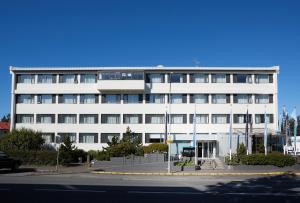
<point x="194" y="174"/>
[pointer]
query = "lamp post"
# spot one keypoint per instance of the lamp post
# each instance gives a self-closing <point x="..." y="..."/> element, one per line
<point x="57" y="138"/>
<point x="169" y="132"/>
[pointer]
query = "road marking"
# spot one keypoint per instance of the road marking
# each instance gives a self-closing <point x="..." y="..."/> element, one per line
<point x="64" y="190"/>
<point x="215" y="193"/>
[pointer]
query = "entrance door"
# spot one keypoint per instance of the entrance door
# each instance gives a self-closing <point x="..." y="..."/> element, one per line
<point x="206" y="149"/>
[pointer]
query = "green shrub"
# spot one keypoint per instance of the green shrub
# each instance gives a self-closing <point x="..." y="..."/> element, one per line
<point x="155" y="147"/>
<point x="235" y="160"/>
<point x="35" y="157"/>
<point x="275" y="159"/>
<point x="241" y="151"/>
<point x="99" y="155"/>
<point x="21" y="139"/>
<point x="68" y="153"/>
<point x="185" y="163"/>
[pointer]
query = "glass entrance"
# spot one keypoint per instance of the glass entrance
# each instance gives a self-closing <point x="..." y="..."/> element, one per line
<point x="206" y="149"/>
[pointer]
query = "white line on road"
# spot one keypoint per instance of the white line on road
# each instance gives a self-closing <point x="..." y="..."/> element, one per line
<point x="64" y="190"/>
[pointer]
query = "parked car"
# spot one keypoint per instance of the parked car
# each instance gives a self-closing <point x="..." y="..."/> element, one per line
<point x="9" y="162"/>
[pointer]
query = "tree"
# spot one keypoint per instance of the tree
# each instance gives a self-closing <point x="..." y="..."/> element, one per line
<point x="241" y="150"/>
<point x="292" y="122"/>
<point x="5" y="118"/>
<point x="69" y="153"/>
<point x="129" y="144"/>
<point x="22" y="139"/>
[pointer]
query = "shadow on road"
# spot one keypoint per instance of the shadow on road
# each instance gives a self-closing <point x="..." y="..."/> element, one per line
<point x="20" y="170"/>
<point x="283" y="188"/>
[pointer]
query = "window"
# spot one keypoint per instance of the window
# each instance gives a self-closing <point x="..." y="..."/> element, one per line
<point x="155" y="118"/>
<point x="26" y="79"/>
<point x="199" y="98"/>
<point x="63" y="136"/>
<point x="178" y="118"/>
<point x="220" y="118"/>
<point x="88" y="99"/>
<point x="88" y="137"/>
<point x="107" y="137"/>
<point x="67" y="118"/>
<point x="154" y="138"/>
<point x="46" y="78"/>
<point x="220" y="78"/>
<point x="48" y="137"/>
<point x="88" y="118"/>
<point x="25" y="99"/>
<point x="263" y="98"/>
<point x="88" y="78"/>
<point x="25" y="118"/>
<point x="263" y="78"/>
<point x="132" y="118"/>
<point x="241" y="118"/>
<point x="133" y="98"/>
<point x="177" y="78"/>
<point x="67" y="99"/>
<point x="220" y="98"/>
<point x="134" y="137"/>
<point x="121" y="76"/>
<point x="199" y="78"/>
<point x="200" y="118"/>
<point x="68" y="78"/>
<point x="46" y="99"/>
<point x="155" y="78"/>
<point x="242" y="78"/>
<point x="260" y="118"/>
<point x="155" y="98"/>
<point x="178" y="98"/>
<point x="110" y="118"/>
<point x="45" y="118"/>
<point x="242" y="98"/>
<point x="111" y="98"/>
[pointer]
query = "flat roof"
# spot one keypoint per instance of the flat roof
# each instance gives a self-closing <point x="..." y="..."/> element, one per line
<point x="160" y="67"/>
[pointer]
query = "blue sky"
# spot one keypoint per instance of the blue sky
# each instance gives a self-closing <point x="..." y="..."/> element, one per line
<point x="152" y="32"/>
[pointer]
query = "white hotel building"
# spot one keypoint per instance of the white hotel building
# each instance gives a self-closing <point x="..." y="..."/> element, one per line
<point x="93" y="104"/>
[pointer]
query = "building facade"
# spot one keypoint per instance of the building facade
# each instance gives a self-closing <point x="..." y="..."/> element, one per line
<point x="93" y="104"/>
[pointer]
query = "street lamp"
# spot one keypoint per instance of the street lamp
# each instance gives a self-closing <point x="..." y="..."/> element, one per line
<point x="169" y="133"/>
<point x="57" y="138"/>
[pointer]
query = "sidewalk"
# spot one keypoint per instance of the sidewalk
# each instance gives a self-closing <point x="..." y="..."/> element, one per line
<point x="158" y="168"/>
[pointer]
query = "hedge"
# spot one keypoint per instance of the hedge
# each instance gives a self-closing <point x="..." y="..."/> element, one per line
<point x="275" y="159"/>
<point x="156" y="147"/>
<point x="35" y="157"/>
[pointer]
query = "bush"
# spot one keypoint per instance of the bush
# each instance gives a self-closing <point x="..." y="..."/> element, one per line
<point x="68" y="153"/>
<point x="129" y="144"/>
<point x="35" y="157"/>
<point x="156" y="147"/>
<point x="99" y="155"/>
<point x="185" y="163"/>
<point x="235" y="160"/>
<point x="275" y="159"/>
<point x="21" y="139"/>
<point x="241" y="151"/>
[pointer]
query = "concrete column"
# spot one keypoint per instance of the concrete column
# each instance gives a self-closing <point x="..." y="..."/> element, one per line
<point x="13" y="99"/>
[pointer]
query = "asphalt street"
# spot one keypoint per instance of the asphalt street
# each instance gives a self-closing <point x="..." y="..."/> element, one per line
<point x="88" y="187"/>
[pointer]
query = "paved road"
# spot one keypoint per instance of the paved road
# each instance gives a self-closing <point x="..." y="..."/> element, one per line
<point x="113" y="188"/>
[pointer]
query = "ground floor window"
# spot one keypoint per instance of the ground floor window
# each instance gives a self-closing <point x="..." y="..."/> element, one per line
<point x="48" y="137"/>
<point x="107" y="137"/>
<point x="154" y="138"/>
